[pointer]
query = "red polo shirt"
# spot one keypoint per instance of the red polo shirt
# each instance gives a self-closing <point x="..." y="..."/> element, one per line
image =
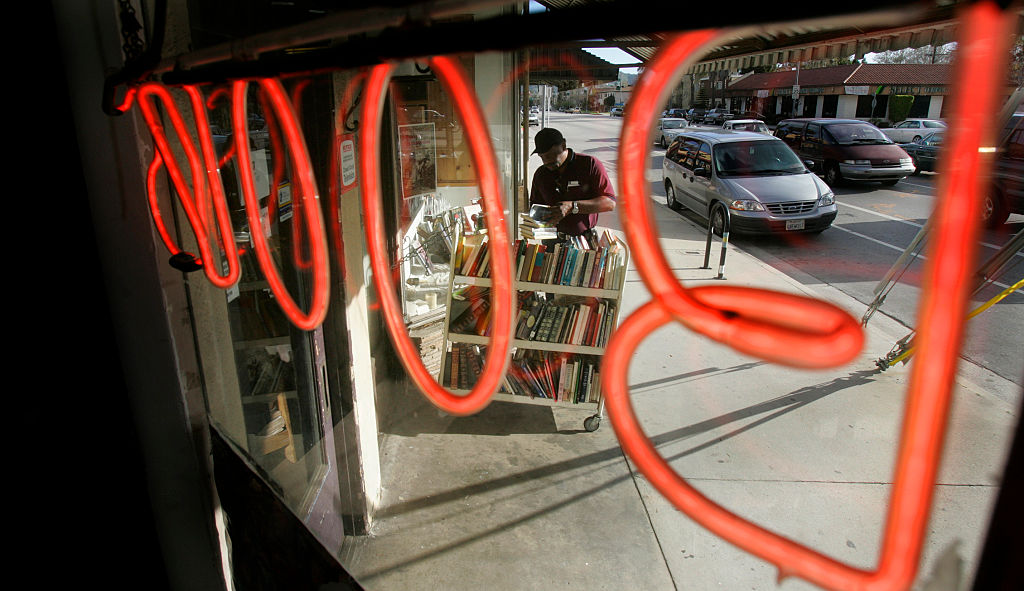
<point x="580" y="177"/>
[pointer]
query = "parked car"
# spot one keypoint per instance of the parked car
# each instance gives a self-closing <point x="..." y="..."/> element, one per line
<point x="747" y="125"/>
<point x="1006" y="195"/>
<point x="574" y="110"/>
<point x="616" y="112"/>
<point x="925" y="151"/>
<point x="717" y="116"/>
<point x="846" y="149"/>
<point x="754" y="178"/>
<point x="695" y="115"/>
<point x="910" y="130"/>
<point x="668" y="129"/>
<point x="675" y="114"/>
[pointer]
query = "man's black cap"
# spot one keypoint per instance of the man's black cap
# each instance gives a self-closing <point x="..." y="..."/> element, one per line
<point x="546" y="139"/>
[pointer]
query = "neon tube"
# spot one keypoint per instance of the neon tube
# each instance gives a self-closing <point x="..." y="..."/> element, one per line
<point x="502" y="297"/>
<point x="154" y="206"/>
<point x="942" y="312"/>
<point x="191" y="196"/>
<point x="306" y="185"/>
<point x="777" y="322"/>
<point x="216" y="192"/>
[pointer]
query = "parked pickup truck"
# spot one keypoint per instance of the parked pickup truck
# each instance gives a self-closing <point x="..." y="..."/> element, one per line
<point x="717" y="116"/>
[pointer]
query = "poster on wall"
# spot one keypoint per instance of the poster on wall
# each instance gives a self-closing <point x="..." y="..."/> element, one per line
<point x="418" y="159"/>
<point x="347" y="154"/>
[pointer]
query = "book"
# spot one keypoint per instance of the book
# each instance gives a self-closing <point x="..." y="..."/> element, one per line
<point x="536" y="324"/>
<point x="480" y="264"/>
<point x="581" y="266"/>
<point x="455" y="366"/>
<point x="567" y="267"/>
<point x="541" y="215"/>
<point x="585" y="378"/>
<point x="448" y="370"/>
<point x="551" y="264"/>
<point x="529" y="319"/>
<point x="465" y="381"/>
<point x="565" y="380"/>
<point x="538" y="264"/>
<point x="581" y="324"/>
<point x="528" y="262"/>
<point x="471" y="251"/>
<point x="471" y="320"/>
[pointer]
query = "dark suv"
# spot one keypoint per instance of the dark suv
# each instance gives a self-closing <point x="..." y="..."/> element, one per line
<point x="696" y="115"/>
<point x="841" y="149"/>
<point x="717" y="116"/>
<point x="1007" y="194"/>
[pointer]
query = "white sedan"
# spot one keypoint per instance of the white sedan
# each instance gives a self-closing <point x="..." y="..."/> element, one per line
<point x="668" y="128"/>
<point x="755" y="125"/>
<point x="911" y="130"/>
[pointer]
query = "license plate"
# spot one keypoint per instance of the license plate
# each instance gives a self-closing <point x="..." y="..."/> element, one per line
<point x="794" y="224"/>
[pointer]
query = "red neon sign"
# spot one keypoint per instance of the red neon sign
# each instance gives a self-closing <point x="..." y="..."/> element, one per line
<point x="502" y="297"/>
<point x="781" y="328"/>
<point x="204" y="173"/>
<point x="813" y="328"/>
<point x="305" y="190"/>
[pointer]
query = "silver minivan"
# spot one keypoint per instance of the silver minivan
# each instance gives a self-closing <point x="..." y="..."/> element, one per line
<point x="756" y="179"/>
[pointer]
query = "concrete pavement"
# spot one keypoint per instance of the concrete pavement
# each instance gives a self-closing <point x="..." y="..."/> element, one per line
<point x="521" y="497"/>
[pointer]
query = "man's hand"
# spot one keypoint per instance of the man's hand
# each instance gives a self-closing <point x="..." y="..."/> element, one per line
<point x="565" y="207"/>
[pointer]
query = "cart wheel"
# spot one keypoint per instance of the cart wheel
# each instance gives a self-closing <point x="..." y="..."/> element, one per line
<point x="592" y="423"/>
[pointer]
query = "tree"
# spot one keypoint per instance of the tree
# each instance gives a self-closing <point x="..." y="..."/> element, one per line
<point x="899" y="106"/>
<point x="929" y="54"/>
<point x="1017" y="62"/>
<point x="609" y="101"/>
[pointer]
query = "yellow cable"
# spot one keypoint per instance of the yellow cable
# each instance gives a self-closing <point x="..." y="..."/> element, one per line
<point x="974" y="313"/>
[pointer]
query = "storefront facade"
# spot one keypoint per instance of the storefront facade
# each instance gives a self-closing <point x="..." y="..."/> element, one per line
<point x="859" y="91"/>
<point x="259" y="423"/>
<point x="299" y="410"/>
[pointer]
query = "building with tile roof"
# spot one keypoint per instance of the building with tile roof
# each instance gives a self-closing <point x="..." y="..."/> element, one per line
<point x="859" y="91"/>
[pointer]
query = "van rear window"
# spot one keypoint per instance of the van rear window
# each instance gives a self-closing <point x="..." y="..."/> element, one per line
<point x="857" y="133"/>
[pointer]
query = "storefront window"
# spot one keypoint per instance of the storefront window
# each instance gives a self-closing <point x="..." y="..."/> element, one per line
<point x="437" y="173"/>
<point x="271" y="405"/>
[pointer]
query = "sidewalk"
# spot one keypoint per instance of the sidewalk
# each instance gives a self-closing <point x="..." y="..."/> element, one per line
<point x="521" y="497"/>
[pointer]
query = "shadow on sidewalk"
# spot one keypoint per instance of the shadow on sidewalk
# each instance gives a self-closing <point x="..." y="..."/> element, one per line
<point x="777" y="407"/>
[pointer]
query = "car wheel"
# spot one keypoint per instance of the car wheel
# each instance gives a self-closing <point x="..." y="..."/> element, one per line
<point x="670" y="196"/>
<point x="832" y="175"/>
<point x="992" y="210"/>
<point x="916" y="138"/>
<point x="717" y="218"/>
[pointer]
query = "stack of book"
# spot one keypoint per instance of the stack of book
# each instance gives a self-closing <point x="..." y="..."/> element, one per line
<point x="472" y="257"/>
<point x="574" y="263"/>
<point x="463" y="365"/>
<point x="561" y="377"/>
<point x="471" y="312"/>
<point x="538" y="223"/>
<point x="570" y="321"/>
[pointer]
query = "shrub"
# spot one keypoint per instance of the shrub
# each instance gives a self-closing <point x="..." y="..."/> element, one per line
<point x="899" y="107"/>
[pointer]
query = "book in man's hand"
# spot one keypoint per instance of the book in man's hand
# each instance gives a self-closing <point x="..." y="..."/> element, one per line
<point x="541" y="215"/>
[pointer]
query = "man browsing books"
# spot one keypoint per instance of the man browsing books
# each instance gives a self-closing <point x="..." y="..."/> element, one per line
<point x="576" y="184"/>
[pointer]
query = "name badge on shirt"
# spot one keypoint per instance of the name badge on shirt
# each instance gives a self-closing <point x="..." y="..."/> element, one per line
<point x="574" y="183"/>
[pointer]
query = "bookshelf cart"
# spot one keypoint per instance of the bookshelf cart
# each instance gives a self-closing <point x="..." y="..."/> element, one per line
<point x="558" y="352"/>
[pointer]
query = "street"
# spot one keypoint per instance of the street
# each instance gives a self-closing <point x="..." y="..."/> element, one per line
<point x="874" y="226"/>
